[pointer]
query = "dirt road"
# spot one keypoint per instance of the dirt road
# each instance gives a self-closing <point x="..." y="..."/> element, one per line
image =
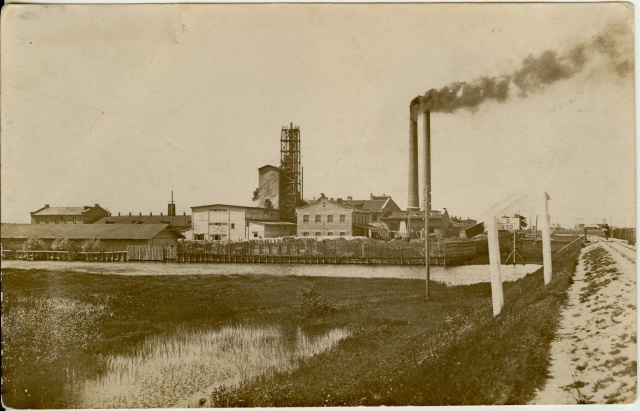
<point x="594" y="356"/>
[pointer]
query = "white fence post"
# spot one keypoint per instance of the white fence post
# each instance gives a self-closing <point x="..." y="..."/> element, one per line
<point x="497" y="295"/>
<point x="546" y="239"/>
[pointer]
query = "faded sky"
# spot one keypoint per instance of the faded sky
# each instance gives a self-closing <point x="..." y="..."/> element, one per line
<point x="119" y="105"/>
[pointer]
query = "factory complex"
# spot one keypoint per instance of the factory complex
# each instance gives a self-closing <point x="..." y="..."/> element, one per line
<point x="277" y="210"/>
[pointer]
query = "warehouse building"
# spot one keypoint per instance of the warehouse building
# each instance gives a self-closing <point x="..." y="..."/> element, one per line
<point x="326" y="217"/>
<point x="378" y="206"/>
<point x="224" y="222"/>
<point x="68" y="215"/>
<point x="115" y="237"/>
<point x="404" y="224"/>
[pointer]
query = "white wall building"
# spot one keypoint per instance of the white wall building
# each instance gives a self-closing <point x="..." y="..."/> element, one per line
<point x="224" y="222"/>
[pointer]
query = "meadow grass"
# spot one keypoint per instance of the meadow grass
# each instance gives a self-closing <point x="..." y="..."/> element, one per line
<point x="402" y="349"/>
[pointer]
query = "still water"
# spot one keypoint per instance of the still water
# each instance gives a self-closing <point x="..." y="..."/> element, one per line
<point x="461" y="275"/>
<point x="182" y="369"/>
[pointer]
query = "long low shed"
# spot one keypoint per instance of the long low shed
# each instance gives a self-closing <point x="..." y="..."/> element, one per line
<point x="111" y="236"/>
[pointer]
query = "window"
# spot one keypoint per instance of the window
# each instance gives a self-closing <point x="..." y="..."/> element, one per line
<point x="374" y="217"/>
<point x="75" y="221"/>
<point x="305" y="218"/>
<point x="233" y="225"/>
<point x="329" y="219"/>
<point x="342" y="218"/>
<point x="318" y="218"/>
<point x="341" y="233"/>
<point x="318" y="233"/>
<point x="305" y="234"/>
<point x="255" y="234"/>
<point x="330" y="233"/>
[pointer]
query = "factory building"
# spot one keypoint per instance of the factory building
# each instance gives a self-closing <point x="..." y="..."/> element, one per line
<point x="267" y="195"/>
<point x="68" y="215"/>
<point x="402" y="224"/>
<point x="281" y="188"/>
<point x="114" y="237"/>
<point x="378" y="206"/>
<point x="224" y="222"/>
<point x="326" y="218"/>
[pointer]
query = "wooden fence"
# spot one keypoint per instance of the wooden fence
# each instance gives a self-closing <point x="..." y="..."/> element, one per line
<point x="151" y="253"/>
<point x="628" y="234"/>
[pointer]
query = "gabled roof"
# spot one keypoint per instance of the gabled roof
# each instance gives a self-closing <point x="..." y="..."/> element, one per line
<point x="60" y="211"/>
<point x="343" y="204"/>
<point x="68" y="211"/>
<point x="85" y="231"/>
<point x="373" y="206"/>
<point x="176" y="221"/>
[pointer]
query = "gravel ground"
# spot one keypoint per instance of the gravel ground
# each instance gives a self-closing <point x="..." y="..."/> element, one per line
<point x="594" y="356"/>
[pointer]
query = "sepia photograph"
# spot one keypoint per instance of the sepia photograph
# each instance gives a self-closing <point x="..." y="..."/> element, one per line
<point x="268" y="205"/>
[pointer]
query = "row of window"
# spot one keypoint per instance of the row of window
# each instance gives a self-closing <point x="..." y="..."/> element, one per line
<point x="305" y="218"/>
<point x="75" y="221"/>
<point x="233" y="225"/>
<point x="319" y="234"/>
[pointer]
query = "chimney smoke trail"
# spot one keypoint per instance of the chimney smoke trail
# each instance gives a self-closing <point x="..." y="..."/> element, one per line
<point x="611" y="50"/>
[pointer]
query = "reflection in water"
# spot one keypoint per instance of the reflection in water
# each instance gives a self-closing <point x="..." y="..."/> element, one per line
<point x="178" y="370"/>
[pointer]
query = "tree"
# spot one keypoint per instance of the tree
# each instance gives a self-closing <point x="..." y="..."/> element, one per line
<point x="34" y="244"/>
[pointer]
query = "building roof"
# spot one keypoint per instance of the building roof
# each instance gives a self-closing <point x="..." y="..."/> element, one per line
<point x="272" y="223"/>
<point x="270" y="166"/>
<point x="77" y="211"/>
<point x="176" y="221"/>
<point x="367" y="205"/>
<point x="85" y="231"/>
<point x="234" y="206"/>
<point x="338" y="203"/>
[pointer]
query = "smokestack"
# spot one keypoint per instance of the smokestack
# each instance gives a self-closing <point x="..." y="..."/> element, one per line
<point x="171" y="212"/>
<point x="413" y="201"/>
<point x="427" y="157"/>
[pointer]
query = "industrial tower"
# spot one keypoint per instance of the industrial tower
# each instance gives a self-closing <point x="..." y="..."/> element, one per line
<point x="291" y="179"/>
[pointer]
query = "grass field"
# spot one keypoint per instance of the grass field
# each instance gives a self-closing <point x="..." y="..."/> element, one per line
<point x="402" y="350"/>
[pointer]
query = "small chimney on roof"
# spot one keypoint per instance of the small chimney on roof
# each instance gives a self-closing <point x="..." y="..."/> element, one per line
<point x="97" y="205"/>
<point x="46" y="206"/>
<point x="129" y="214"/>
<point x="140" y="214"/>
<point x="349" y="198"/>
<point x="150" y="213"/>
<point x="371" y="195"/>
<point x="160" y="213"/>
<point x="118" y="213"/>
<point x="339" y="201"/>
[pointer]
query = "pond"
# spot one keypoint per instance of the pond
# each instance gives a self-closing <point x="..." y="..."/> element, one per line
<point x="458" y="275"/>
<point x="182" y="369"/>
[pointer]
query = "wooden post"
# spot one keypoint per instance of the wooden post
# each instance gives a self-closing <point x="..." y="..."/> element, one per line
<point x="427" y="241"/>
<point x="546" y="239"/>
<point x="494" y="265"/>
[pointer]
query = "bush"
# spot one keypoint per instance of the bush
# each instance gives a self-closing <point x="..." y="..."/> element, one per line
<point x="92" y="246"/>
<point x="34" y="244"/>
<point x="311" y="303"/>
<point x="64" y="244"/>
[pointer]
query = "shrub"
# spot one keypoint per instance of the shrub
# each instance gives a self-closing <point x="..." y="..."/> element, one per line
<point x="92" y="246"/>
<point x="64" y="244"/>
<point x="311" y="303"/>
<point x="34" y="244"/>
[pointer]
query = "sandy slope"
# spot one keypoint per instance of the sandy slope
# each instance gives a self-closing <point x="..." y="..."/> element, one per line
<point x="594" y="356"/>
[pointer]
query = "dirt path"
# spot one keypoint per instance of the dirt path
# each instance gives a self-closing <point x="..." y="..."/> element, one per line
<point x="594" y="356"/>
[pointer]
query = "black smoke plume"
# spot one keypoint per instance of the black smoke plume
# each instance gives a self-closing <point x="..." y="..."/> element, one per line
<point x="534" y="74"/>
